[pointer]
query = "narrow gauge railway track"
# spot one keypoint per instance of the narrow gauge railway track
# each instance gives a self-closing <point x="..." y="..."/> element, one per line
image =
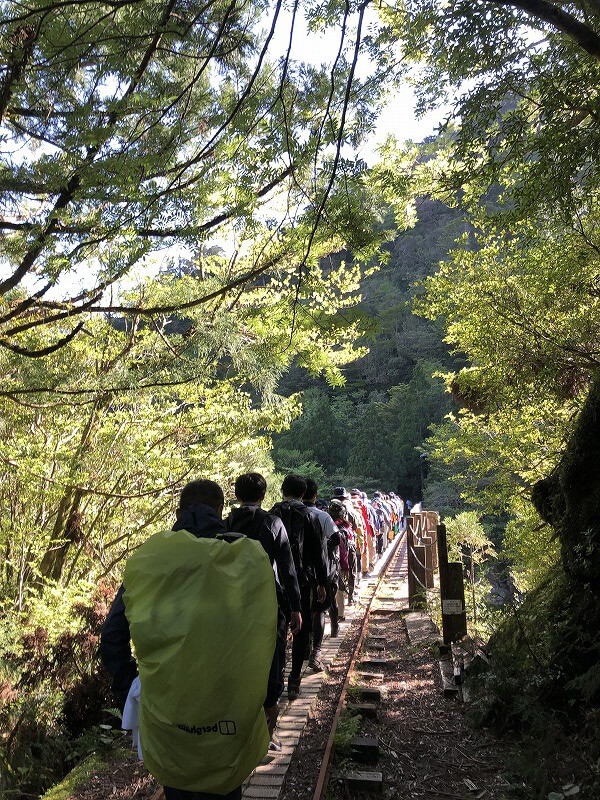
<point x="393" y="571"/>
<point x="307" y="726"/>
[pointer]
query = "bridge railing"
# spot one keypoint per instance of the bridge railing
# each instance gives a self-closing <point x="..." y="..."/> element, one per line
<point x="430" y="572"/>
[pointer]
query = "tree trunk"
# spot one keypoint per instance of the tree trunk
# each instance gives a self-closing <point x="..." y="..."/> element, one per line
<point x="66" y="531"/>
<point x="67" y="528"/>
<point x="569" y="499"/>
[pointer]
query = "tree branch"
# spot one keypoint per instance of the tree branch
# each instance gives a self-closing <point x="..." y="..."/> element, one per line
<point x="23" y="40"/>
<point x="46" y="351"/>
<point x="68" y="192"/>
<point x="148" y="233"/>
<point x="579" y="32"/>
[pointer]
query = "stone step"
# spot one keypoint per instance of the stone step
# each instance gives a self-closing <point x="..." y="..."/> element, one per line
<point x="420" y="628"/>
<point x="450" y="688"/>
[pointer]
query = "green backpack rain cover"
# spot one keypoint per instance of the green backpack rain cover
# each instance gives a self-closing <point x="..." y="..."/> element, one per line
<point x="202" y="614"/>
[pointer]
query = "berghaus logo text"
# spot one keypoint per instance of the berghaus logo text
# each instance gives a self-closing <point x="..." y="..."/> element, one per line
<point x="226" y="727"/>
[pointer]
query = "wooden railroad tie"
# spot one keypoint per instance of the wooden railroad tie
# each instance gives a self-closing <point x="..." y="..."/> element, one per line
<point x="374" y="661"/>
<point x="370" y="693"/>
<point x="364" y="781"/>
<point x="368" y="710"/>
<point x="364" y="749"/>
<point x="370" y="676"/>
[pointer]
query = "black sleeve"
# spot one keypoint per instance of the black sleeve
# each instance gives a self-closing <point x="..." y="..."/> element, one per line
<point x="334" y="541"/>
<point x="286" y="571"/>
<point x="115" y="648"/>
<point x="315" y="550"/>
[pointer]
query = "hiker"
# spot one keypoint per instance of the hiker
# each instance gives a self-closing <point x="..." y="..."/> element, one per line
<point x="375" y="524"/>
<point x="310" y="560"/>
<point x="339" y="516"/>
<point x="384" y="517"/>
<point x="399" y="511"/>
<point x="256" y="523"/>
<point x="331" y="538"/>
<point x="356" y="523"/>
<point x="367" y="546"/>
<point x="199" y="605"/>
<point x="389" y="509"/>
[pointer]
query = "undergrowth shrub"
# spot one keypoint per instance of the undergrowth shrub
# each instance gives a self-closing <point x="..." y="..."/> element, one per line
<point x="542" y="685"/>
<point x="54" y="694"/>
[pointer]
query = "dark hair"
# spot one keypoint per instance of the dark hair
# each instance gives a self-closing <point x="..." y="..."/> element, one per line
<point x="311" y="489"/>
<point x="202" y="491"/>
<point x="293" y="486"/>
<point x="250" y="487"/>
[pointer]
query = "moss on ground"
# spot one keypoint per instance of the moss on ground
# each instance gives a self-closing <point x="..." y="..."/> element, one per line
<point x="80" y="775"/>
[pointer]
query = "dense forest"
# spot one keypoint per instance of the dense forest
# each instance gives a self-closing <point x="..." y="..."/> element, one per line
<point x="371" y="431"/>
<point x="200" y="275"/>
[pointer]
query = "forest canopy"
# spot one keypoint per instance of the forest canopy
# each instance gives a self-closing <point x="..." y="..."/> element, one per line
<point x="191" y="240"/>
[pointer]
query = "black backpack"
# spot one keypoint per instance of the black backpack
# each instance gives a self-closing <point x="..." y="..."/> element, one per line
<point x="294" y="520"/>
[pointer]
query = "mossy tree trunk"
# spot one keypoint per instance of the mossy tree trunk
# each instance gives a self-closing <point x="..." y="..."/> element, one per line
<point x="569" y="499"/>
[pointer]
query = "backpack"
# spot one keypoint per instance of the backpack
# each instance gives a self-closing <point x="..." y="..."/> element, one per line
<point x="203" y="616"/>
<point x="344" y="566"/>
<point x="294" y="520"/>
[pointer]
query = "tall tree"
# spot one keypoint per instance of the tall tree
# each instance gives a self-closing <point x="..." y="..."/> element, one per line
<point x="519" y="294"/>
<point x="131" y="127"/>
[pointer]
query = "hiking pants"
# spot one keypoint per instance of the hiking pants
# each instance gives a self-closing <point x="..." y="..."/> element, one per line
<point x="329" y="605"/>
<point x="351" y="574"/>
<point x="341" y="596"/>
<point x="301" y="639"/>
<point x="318" y="629"/>
<point x="277" y="675"/>
<point x="183" y="794"/>
<point x="379" y="544"/>
<point x="370" y="550"/>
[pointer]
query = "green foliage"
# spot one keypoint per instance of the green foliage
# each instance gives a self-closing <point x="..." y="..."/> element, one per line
<point x="469" y="544"/>
<point x="348" y="726"/>
<point x="465" y="532"/>
<point x="81" y="774"/>
<point x="143" y="128"/>
<point x="517" y="292"/>
<point x="372" y="442"/>
<point x="54" y="694"/>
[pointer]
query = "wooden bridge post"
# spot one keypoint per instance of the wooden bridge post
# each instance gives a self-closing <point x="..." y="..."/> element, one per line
<point x="427" y="542"/>
<point x="416" y="573"/>
<point x="433" y="520"/>
<point x="452" y="591"/>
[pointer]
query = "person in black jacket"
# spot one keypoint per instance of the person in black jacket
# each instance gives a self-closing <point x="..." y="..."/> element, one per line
<point x="200" y="511"/>
<point x="256" y="523"/>
<point x="310" y="559"/>
<point x="330" y="537"/>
